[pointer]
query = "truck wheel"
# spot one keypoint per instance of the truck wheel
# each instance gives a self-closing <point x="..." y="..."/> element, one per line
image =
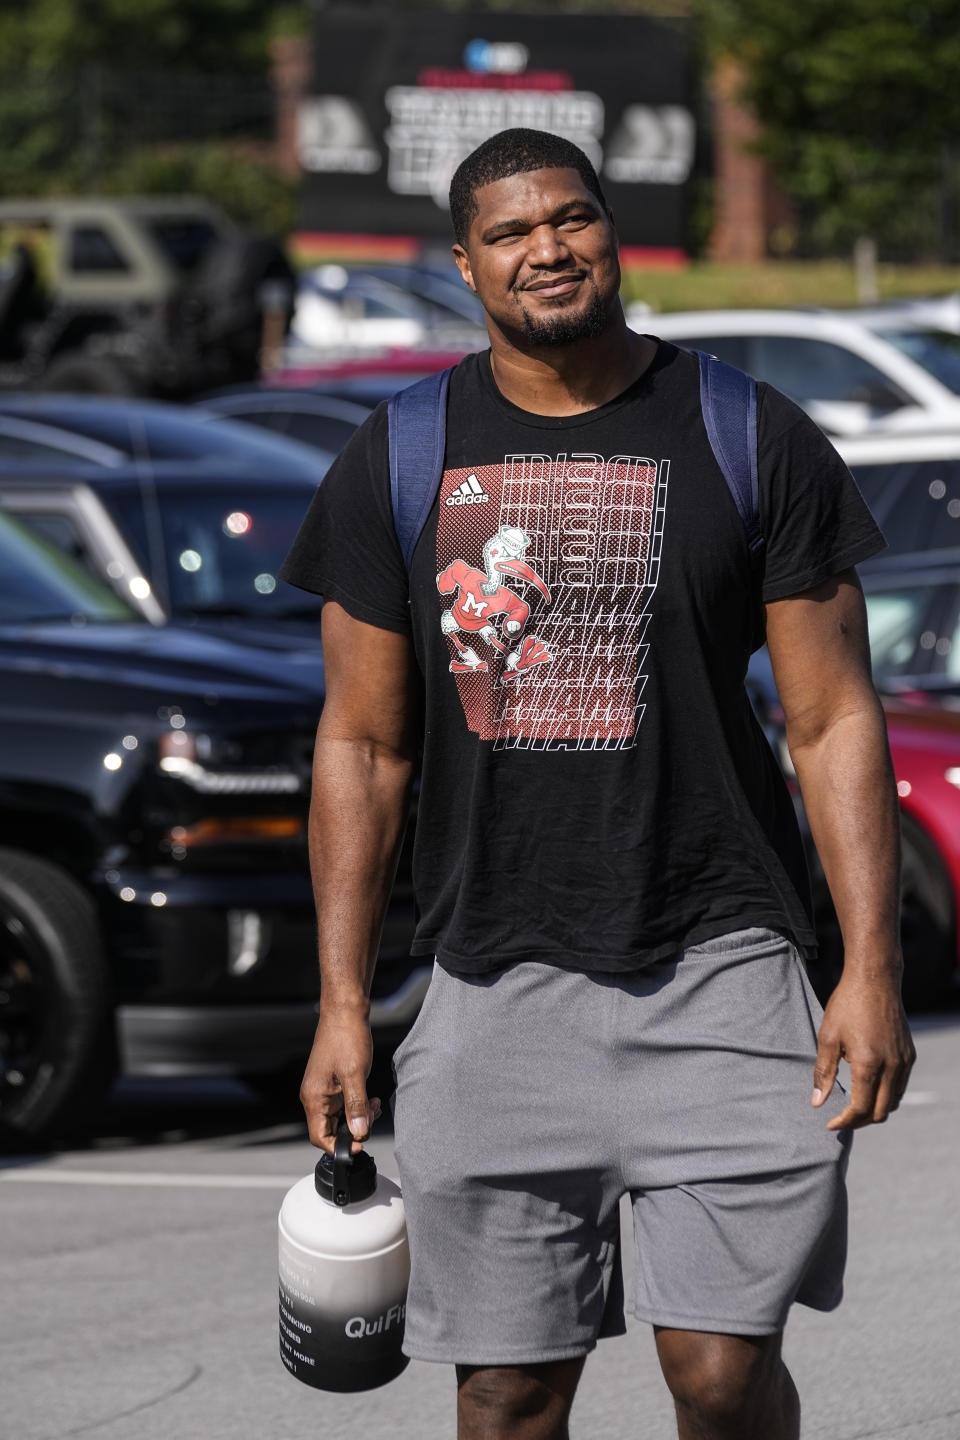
<point x="74" y="373"/>
<point x="57" y="1047"/>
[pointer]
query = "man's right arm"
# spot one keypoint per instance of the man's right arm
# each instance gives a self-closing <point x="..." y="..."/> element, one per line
<point x="363" y="769"/>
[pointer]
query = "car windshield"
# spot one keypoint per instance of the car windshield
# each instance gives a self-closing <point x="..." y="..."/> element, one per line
<point x="39" y="583"/>
<point x="936" y="350"/>
<point x="218" y="553"/>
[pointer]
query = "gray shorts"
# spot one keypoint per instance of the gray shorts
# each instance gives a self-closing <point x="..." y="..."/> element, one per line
<point x="530" y="1100"/>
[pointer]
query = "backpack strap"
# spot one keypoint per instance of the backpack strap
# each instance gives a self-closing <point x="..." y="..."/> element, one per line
<point x="417" y="431"/>
<point x="728" y="400"/>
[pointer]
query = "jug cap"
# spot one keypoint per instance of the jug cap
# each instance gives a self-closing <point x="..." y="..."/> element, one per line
<point x="342" y="1178"/>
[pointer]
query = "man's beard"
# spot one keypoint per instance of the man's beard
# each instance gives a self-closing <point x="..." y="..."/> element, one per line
<point x="561" y="329"/>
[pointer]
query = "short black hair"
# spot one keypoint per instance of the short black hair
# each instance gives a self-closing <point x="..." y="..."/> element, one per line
<point x="513" y="152"/>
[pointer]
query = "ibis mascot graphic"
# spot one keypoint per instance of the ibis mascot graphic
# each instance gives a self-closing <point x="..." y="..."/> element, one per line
<point x="482" y="599"/>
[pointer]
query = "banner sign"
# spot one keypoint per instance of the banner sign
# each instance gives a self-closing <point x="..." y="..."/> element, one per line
<point x="399" y="97"/>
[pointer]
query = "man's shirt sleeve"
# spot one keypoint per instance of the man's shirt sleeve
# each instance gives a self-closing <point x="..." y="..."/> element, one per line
<point x="346" y="548"/>
<point x="814" y="519"/>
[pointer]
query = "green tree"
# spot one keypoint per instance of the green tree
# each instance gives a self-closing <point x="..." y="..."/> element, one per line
<point x="121" y="95"/>
<point x="857" y="103"/>
<point x="202" y="35"/>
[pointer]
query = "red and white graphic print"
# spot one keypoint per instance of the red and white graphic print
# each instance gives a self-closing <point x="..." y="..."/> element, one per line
<point x="483" y="598"/>
<point x="545" y="586"/>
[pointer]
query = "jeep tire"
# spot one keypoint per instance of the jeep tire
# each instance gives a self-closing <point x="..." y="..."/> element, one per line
<point x="57" y="1046"/>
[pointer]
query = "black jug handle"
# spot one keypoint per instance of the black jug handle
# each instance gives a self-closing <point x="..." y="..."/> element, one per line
<point x="342" y="1165"/>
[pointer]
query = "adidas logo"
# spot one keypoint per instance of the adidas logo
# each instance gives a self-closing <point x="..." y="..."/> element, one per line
<point x="471" y="492"/>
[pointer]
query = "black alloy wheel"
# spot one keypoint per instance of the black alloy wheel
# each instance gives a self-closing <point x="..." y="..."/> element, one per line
<point x="57" y="1049"/>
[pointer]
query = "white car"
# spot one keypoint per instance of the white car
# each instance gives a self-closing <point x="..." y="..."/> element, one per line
<point x="848" y="378"/>
<point x="355" y="311"/>
<point x="934" y="346"/>
<point x="936" y="312"/>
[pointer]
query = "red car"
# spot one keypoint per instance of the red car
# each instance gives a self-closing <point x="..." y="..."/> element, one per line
<point x="914" y="614"/>
<point x="925" y="745"/>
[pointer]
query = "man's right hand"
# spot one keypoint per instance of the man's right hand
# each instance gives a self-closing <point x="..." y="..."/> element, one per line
<point x="335" y="1080"/>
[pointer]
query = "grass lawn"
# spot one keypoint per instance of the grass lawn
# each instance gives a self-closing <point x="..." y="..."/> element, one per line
<point x="707" y="286"/>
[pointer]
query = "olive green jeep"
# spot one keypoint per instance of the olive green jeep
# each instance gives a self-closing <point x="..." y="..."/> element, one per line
<point x="138" y="295"/>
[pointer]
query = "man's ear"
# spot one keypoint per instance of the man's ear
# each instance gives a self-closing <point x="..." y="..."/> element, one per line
<point x="463" y="265"/>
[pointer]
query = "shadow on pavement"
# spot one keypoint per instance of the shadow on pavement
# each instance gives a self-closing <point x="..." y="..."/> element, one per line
<point x="144" y="1112"/>
<point x="172" y="1112"/>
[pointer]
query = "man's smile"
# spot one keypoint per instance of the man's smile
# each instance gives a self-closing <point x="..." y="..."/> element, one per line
<point x="554" y="285"/>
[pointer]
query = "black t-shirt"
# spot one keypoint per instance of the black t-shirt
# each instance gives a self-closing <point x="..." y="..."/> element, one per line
<point x="596" y="792"/>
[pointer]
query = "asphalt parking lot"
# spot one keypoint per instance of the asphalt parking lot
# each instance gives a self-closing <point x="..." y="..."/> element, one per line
<point x="139" y="1285"/>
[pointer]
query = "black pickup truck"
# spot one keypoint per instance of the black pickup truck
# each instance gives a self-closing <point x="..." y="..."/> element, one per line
<point x="155" y="906"/>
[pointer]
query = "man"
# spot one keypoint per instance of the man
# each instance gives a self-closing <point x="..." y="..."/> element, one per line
<point x="607" y="865"/>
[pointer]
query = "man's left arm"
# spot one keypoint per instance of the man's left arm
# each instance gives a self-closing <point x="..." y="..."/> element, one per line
<point x="838" y="743"/>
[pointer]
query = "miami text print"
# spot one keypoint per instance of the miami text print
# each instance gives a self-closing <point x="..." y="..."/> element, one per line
<point x="546" y="568"/>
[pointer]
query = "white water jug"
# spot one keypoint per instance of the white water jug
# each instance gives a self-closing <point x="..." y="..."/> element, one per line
<point x="344" y="1267"/>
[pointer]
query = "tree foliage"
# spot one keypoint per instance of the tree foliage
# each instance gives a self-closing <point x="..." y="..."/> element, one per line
<point x="199" y="35"/>
<point x="143" y="95"/>
<point x="858" y="102"/>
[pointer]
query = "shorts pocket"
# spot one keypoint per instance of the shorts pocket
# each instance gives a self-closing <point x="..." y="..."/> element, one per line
<point x="417" y="1025"/>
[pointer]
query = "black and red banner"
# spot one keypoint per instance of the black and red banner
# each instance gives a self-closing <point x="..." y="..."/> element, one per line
<point x="399" y="97"/>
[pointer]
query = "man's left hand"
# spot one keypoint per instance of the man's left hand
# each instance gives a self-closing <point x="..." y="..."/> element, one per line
<point x="864" y="1024"/>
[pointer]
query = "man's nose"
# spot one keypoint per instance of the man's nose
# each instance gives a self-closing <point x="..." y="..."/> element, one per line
<point x="546" y="246"/>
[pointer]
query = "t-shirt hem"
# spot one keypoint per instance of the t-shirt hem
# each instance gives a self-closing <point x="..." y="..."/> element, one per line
<point x="359" y="609"/>
<point x="806" y="579"/>
<point x="592" y="962"/>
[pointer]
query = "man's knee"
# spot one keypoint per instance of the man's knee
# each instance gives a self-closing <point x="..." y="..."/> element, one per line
<point x="516" y="1402"/>
<point x="721" y="1378"/>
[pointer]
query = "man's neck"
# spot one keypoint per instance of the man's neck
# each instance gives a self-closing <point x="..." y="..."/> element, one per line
<point x="570" y="379"/>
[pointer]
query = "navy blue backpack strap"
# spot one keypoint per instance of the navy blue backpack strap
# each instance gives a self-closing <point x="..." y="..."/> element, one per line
<point x="417" y="430"/>
<point x="728" y="399"/>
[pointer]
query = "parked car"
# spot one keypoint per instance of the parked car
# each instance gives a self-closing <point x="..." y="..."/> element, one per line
<point x="159" y="295"/>
<point x="935" y="312"/>
<point x="183" y="513"/>
<point x="912" y="485"/>
<point x="936" y="350"/>
<point x="913" y="610"/>
<point x="155" y="906"/>
<point x="356" y="309"/>
<point x="438" y="282"/>
<point x="307" y="415"/>
<point x="370" y="379"/>
<point x="200" y="545"/>
<point x="845" y="376"/>
<point x="97" y="430"/>
<point x="914" y="606"/>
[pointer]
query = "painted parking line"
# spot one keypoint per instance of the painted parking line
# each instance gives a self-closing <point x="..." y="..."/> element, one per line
<point x="147" y="1179"/>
